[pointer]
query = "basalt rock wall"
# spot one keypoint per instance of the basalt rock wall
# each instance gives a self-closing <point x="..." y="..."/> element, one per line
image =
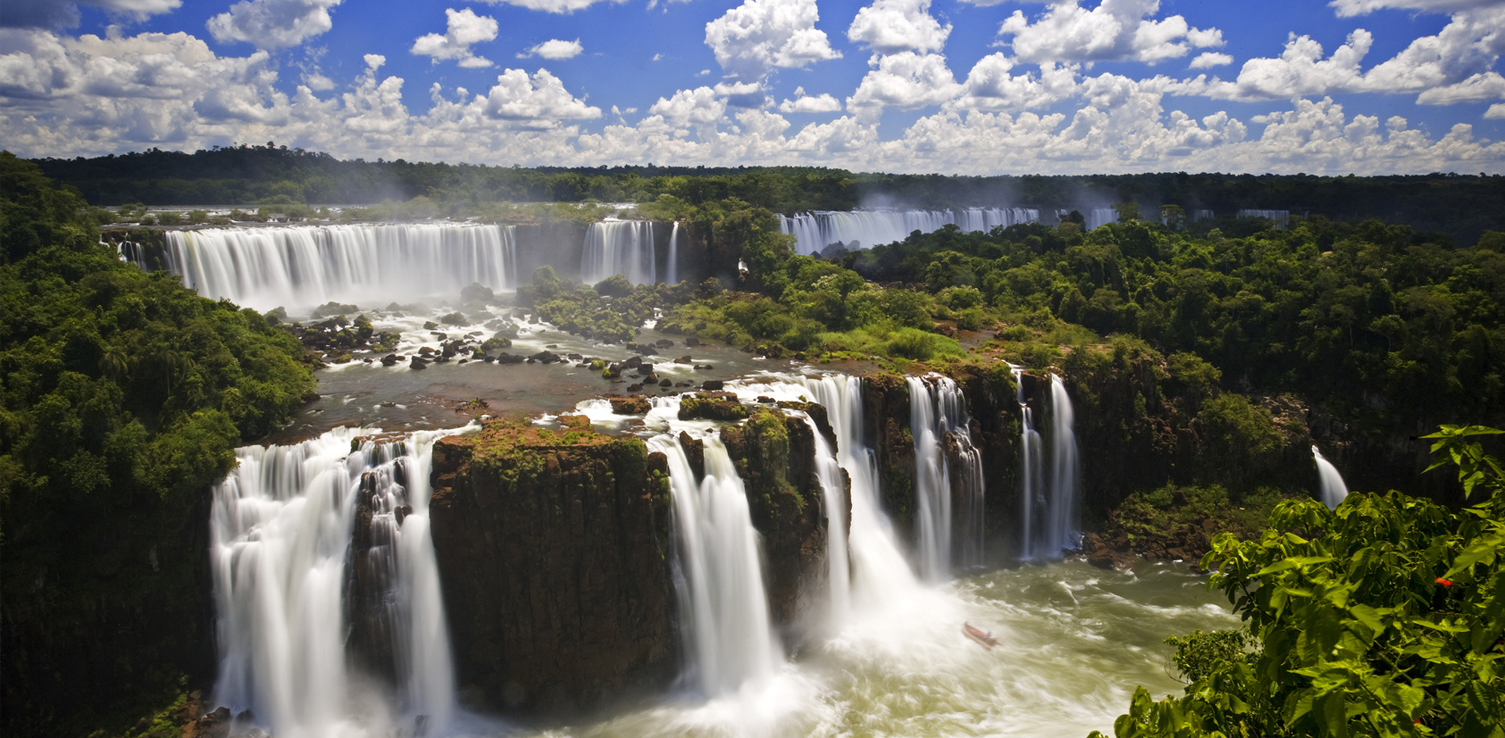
<point x="775" y="456"/>
<point x="553" y="551"/>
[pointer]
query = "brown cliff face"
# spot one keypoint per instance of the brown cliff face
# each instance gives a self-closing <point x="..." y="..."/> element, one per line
<point x="993" y="409"/>
<point x="552" y="548"/>
<point x="775" y="455"/>
<point x="885" y="399"/>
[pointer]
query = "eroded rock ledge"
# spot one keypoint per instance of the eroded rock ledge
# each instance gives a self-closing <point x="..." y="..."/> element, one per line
<point x="553" y="548"/>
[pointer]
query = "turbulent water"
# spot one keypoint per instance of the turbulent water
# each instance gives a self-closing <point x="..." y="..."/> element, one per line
<point x="1074" y="643"/>
<point x="299" y="267"/>
<point x="855" y="229"/>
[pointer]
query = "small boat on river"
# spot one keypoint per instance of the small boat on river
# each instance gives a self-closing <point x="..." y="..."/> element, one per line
<point x="983" y="637"/>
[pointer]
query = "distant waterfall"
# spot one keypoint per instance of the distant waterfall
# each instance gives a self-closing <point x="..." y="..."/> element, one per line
<point x="673" y="254"/>
<point x="1062" y="532"/>
<point x="938" y="417"/>
<point x="280" y="538"/>
<point x="1334" y="490"/>
<point x="814" y="231"/>
<point x="304" y="266"/>
<point x="622" y="247"/>
<point x="731" y="639"/>
<point x="880" y="575"/>
<point x="1282" y="218"/>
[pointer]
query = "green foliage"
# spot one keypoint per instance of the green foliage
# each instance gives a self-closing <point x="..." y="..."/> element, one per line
<point x="122" y="397"/>
<point x="1381" y="618"/>
<point x="1198" y="654"/>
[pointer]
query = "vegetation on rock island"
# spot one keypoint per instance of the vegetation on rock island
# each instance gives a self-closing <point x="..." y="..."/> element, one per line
<point x="1383" y="617"/>
<point x="122" y="397"/>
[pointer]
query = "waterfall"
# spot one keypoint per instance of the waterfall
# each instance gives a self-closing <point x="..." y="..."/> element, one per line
<point x="299" y="267"/>
<point x="1282" y="218"/>
<point x="281" y="529"/>
<point x="938" y="417"/>
<point x="1062" y="533"/>
<point x="731" y="640"/>
<point x="1050" y="503"/>
<point x="1333" y="487"/>
<point x="834" y="495"/>
<point x="880" y="575"/>
<point x="622" y="247"/>
<point x="814" y="231"/>
<point x="674" y="254"/>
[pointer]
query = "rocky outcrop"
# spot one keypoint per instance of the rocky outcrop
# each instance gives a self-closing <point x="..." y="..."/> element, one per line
<point x="885" y="399"/>
<point x="711" y="406"/>
<point x="775" y="456"/>
<point x="552" y="548"/>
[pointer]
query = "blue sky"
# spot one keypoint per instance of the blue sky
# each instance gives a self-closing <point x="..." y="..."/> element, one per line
<point x="953" y="86"/>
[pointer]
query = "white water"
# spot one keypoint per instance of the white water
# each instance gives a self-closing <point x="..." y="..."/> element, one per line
<point x="1334" y="490"/>
<point x="1063" y="532"/>
<point x="673" y="254"/>
<point x="937" y="415"/>
<point x="731" y="640"/>
<point x="280" y="534"/>
<point x="815" y="231"/>
<point x="622" y="247"/>
<point x="1031" y="488"/>
<point x="299" y="267"/>
<point x="1093" y="218"/>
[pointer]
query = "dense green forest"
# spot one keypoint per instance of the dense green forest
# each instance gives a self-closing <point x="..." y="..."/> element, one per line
<point x="1383" y="617"/>
<point x="122" y="397"/>
<point x="1461" y="205"/>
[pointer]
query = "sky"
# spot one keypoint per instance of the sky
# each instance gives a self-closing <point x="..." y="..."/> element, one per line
<point x="947" y="86"/>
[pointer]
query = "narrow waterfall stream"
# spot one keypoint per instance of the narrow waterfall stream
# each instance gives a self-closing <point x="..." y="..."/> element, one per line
<point x="938" y="420"/>
<point x="673" y="266"/>
<point x="1050" y="504"/>
<point x="622" y="247"/>
<point x="281" y="538"/>
<point x="1333" y="488"/>
<point x="731" y="640"/>
<point x="299" y="267"/>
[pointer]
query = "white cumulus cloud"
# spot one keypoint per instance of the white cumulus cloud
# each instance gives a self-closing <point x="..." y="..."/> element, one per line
<point x="1348" y="8"/>
<point x="1210" y="59"/>
<point x="992" y="86"/>
<point x="1116" y="30"/>
<point x="759" y="35"/>
<point x="893" y="26"/>
<point x="272" y="24"/>
<point x="554" y="49"/>
<point x="539" y="102"/>
<point x="465" y="29"/>
<point x="1299" y="71"/>
<point x="803" y="103"/>
<point x="552" y="6"/>
<point x="905" y="80"/>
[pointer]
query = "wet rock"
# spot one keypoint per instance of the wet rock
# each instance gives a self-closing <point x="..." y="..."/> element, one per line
<point x="630" y="405"/>
<point x="429" y="325"/>
<point x="692" y="341"/>
<point x="545" y="357"/>
<point x="635" y="387"/>
<point x="663" y="343"/>
<point x="418" y="363"/>
<point x="694" y="453"/>
<point x="553" y="555"/>
<point x="389" y="360"/>
<point x="712" y="385"/>
<point x="712" y="406"/>
<point x="665" y="383"/>
<point x="703" y="367"/>
<point x="682" y="360"/>
<point x="388" y="403"/>
<point x="506" y="358"/>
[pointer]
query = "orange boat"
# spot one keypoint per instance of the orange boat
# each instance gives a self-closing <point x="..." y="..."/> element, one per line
<point x="983" y="638"/>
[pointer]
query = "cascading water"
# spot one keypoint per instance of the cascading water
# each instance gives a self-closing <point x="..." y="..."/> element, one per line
<point x="673" y="267"/>
<point x="814" y="231"/>
<point x="1062" y="533"/>
<point x="1334" y="490"/>
<point x="622" y="247"/>
<point x="1031" y="491"/>
<point x="938" y="417"/>
<point x="880" y="575"/>
<point x="280" y="530"/>
<point x="1280" y="217"/>
<point x="304" y="266"/>
<point x="731" y="639"/>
